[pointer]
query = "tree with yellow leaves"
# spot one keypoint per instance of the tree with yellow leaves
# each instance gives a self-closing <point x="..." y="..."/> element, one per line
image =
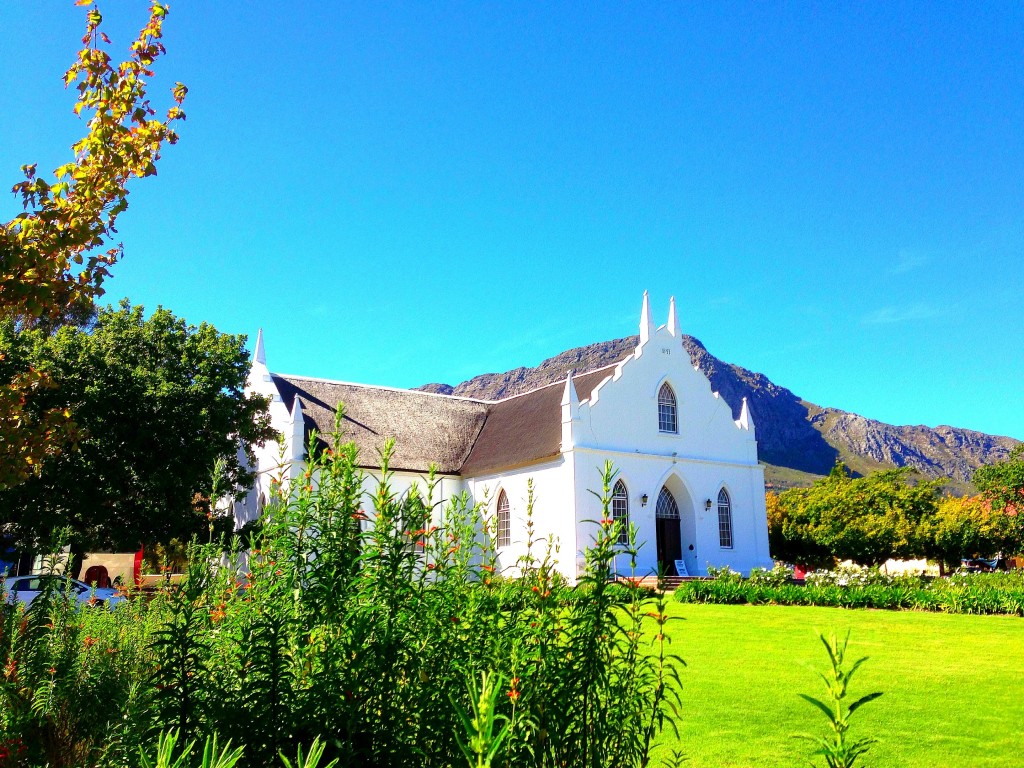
<point x="55" y="255"/>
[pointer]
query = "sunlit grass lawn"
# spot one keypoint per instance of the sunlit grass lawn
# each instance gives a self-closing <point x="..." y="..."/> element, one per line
<point x="953" y="685"/>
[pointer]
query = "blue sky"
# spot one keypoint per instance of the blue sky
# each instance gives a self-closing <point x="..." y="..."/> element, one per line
<point x="401" y="193"/>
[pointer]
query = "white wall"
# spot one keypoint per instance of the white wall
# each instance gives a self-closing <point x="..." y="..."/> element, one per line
<point x="552" y="511"/>
<point x="622" y="414"/>
<point x="619" y="422"/>
<point x="691" y="483"/>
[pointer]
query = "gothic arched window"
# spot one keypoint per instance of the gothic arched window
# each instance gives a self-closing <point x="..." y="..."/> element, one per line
<point x="620" y="511"/>
<point x="724" y="520"/>
<point x="666" y="506"/>
<point x="504" y="521"/>
<point x="667" y="421"/>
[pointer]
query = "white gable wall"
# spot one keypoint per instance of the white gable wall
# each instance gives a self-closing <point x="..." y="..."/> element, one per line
<point x="618" y="422"/>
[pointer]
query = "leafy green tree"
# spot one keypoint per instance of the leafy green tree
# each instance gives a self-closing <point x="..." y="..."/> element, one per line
<point x="55" y="255"/>
<point x="1002" y="486"/>
<point x="792" y="531"/>
<point x="157" y="403"/>
<point x="965" y="527"/>
<point x="867" y="520"/>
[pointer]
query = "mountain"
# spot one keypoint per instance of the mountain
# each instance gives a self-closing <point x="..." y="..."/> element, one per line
<point x="797" y="440"/>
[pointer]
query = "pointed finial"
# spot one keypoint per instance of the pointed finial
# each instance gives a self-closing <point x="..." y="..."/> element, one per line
<point x="673" y="319"/>
<point x="745" y="420"/>
<point x="297" y="410"/>
<point x="259" y="355"/>
<point x="569" y="396"/>
<point x="646" y="326"/>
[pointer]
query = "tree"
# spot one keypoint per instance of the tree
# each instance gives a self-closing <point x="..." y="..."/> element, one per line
<point x="55" y="255"/>
<point x="965" y="527"/>
<point x="1002" y="486"/>
<point x="792" y="531"/>
<point x="157" y="403"/>
<point x="867" y="520"/>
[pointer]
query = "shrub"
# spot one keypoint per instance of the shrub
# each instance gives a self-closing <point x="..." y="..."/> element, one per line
<point x="1000" y="593"/>
<point x="359" y="628"/>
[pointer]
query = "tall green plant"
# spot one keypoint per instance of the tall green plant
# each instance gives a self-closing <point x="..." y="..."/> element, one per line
<point x="837" y="747"/>
<point x="166" y="747"/>
<point x="181" y="649"/>
<point x="353" y="621"/>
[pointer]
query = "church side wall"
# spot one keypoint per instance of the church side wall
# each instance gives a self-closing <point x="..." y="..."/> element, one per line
<point x="552" y="511"/>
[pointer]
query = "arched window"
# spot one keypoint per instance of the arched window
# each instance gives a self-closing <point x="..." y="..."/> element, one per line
<point x="620" y="511"/>
<point x="667" y="410"/>
<point x="724" y="520"/>
<point x="666" y="506"/>
<point x="504" y="521"/>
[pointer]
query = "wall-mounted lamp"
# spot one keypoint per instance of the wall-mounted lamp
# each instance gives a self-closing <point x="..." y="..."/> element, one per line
<point x="643" y="500"/>
<point x="707" y="504"/>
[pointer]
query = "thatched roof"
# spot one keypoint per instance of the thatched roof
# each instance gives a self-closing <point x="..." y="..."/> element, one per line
<point x="459" y="435"/>
<point x="426" y="428"/>
<point x="525" y="428"/>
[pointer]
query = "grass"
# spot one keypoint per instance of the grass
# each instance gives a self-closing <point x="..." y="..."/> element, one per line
<point x="953" y="685"/>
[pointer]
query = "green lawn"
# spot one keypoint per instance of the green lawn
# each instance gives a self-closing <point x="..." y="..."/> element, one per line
<point x="953" y="685"/>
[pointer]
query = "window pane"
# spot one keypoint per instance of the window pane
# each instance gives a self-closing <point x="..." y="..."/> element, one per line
<point x="620" y="511"/>
<point x="667" y="410"/>
<point x="667" y="506"/>
<point x="504" y="521"/>
<point x="724" y="520"/>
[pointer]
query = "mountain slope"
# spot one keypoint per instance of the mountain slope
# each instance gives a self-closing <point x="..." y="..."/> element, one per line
<point x="797" y="439"/>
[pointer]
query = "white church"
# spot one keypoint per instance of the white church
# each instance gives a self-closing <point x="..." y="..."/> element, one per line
<point x="689" y="480"/>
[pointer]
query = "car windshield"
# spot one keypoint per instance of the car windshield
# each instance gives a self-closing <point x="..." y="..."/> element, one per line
<point x="35" y="584"/>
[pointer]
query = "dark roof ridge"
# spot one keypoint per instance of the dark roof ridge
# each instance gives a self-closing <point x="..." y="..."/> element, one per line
<point x="440" y="394"/>
<point x="379" y="386"/>
<point x="560" y="382"/>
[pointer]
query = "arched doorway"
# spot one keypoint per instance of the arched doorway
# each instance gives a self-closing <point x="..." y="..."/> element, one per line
<point x="666" y="522"/>
<point x="675" y="528"/>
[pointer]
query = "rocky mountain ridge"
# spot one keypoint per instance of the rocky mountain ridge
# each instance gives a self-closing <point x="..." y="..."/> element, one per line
<point x="795" y="438"/>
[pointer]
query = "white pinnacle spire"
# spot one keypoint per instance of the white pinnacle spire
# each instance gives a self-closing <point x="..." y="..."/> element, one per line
<point x="745" y="420"/>
<point x="570" y="413"/>
<point x="569" y="396"/>
<point x="673" y="319"/>
<point x="646" y="326"/>
<point x="296" y="441"/>
<point x="259" y="355"/>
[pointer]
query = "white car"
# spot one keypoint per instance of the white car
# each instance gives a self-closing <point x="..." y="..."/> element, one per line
<point x="25" y="589"/>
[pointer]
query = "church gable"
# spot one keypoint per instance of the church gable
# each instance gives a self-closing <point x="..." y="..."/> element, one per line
<point x="658" y="402"/>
